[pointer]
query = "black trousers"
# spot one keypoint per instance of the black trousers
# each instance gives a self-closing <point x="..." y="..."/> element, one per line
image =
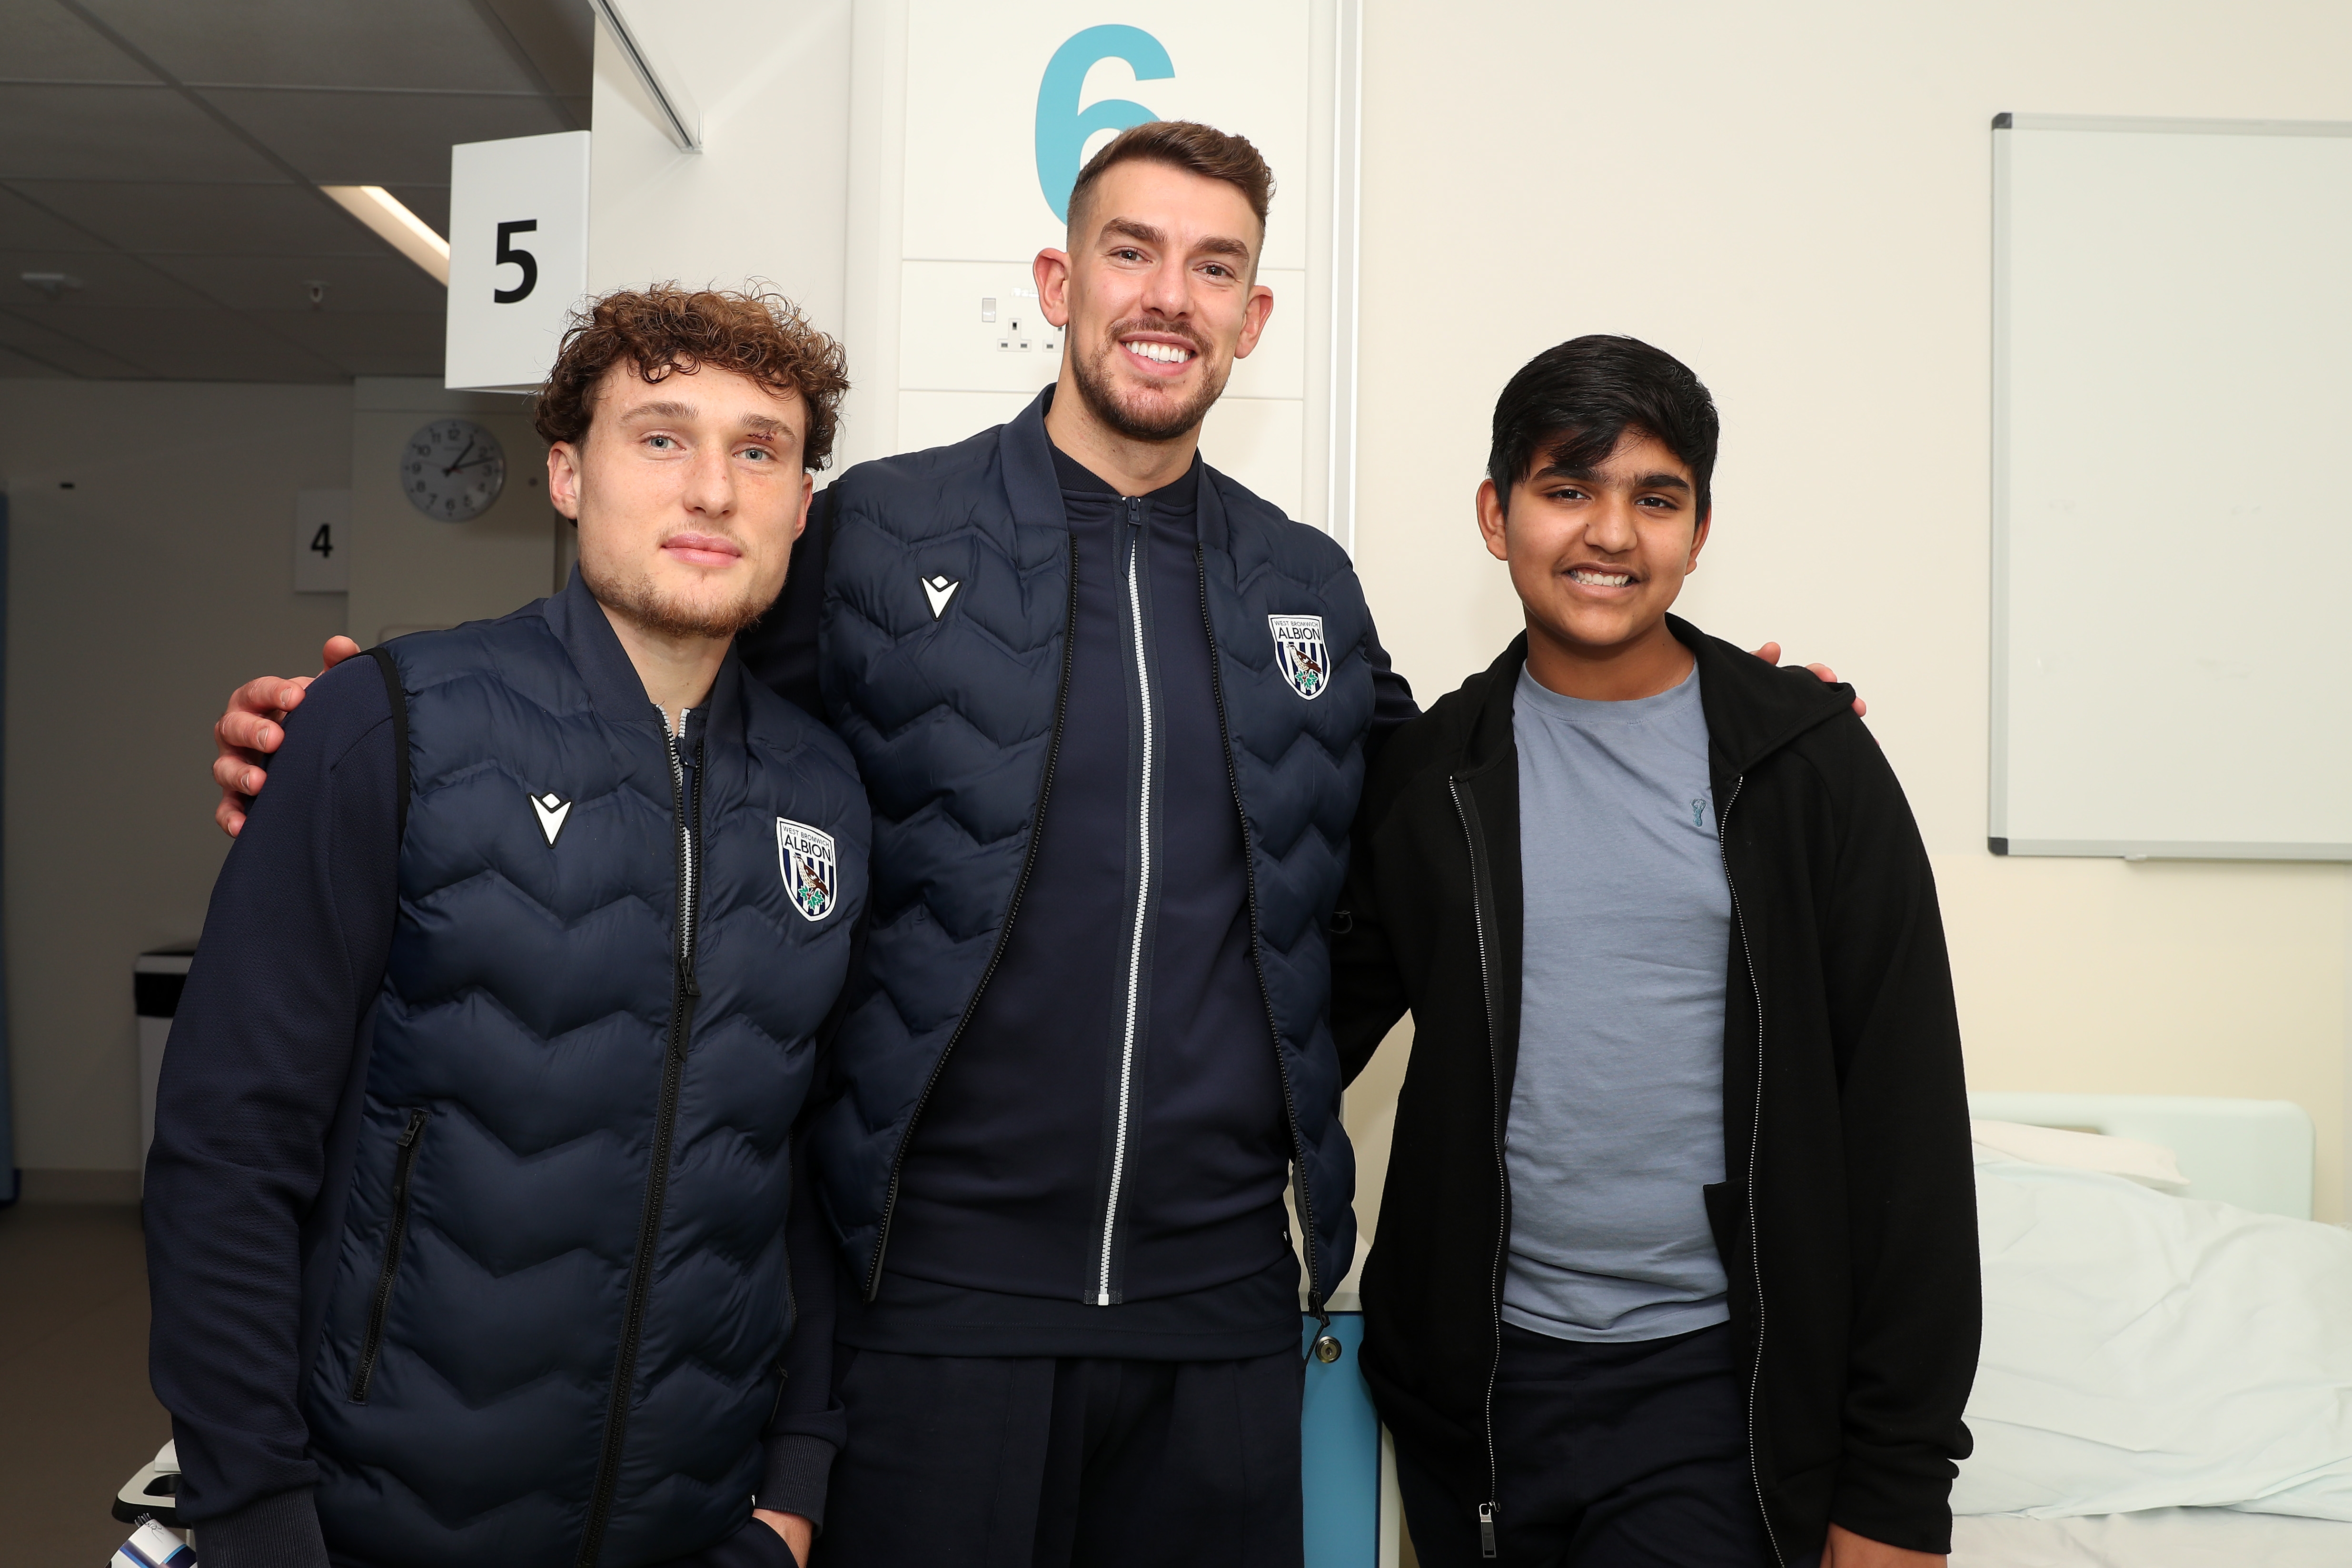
<point x="1017" y="1462"/>
<point x="1607" y="1456"/>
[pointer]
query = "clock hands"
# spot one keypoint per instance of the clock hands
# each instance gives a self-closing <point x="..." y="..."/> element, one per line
<point x="461" y="458"/>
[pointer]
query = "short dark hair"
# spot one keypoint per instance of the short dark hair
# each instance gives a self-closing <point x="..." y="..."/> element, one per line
<point x="1569" y="406"/>
<point x="1186" y="144"/>
<point x="666" y="330"/>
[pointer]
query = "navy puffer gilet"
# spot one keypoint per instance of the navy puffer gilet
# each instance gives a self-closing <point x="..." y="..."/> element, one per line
<point x="574" y="1161"/>
<point x="953" y="717"/>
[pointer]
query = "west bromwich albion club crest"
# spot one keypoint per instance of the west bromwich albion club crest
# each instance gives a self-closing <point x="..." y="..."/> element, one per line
<point x="1298" y="649"/>
<point x="811" y="873"/>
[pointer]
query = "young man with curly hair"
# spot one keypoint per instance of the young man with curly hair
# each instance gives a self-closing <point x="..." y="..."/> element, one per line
<point x="474" y="1207"/>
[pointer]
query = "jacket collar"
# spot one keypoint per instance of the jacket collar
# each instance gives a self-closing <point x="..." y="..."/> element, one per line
<point x="1028" y="457"/>
<point x="1036" y="492"/>
<point x="615" y="688"/>
<point x="1753" y="708"/>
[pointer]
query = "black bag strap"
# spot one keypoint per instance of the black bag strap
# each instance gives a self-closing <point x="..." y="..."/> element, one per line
<point x="398" y="695"/>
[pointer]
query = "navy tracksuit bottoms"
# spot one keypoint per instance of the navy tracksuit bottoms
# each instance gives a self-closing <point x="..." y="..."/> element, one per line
<point x="1039" y="1462"/>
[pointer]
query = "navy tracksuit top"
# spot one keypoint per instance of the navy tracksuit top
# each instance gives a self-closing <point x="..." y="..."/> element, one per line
<point x="1012" y="651"/>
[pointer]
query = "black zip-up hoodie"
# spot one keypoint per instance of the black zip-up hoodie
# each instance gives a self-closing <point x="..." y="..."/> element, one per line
<point x="1848" y="1223"/>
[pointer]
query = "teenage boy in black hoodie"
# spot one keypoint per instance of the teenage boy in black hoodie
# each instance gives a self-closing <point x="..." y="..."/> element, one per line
<point x="1677" y="1261"/>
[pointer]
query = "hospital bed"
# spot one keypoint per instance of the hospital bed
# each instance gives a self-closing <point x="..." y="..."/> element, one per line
<point x="2144" y="1347"/>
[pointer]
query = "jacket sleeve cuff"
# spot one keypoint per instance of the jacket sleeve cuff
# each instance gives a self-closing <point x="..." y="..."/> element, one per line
<point x="280" y="1531"/>
<point x="1894" y="1503"/>
<point x="792" y="1480"/>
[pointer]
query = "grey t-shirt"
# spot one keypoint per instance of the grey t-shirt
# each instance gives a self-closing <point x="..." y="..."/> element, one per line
<point x="1617" y="1110"/>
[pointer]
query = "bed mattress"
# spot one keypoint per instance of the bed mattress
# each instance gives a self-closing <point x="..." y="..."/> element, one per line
<point x="2157" y="1538"/>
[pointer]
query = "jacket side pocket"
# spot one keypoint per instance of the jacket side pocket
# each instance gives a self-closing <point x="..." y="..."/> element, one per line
<point x="396" y="1233"/>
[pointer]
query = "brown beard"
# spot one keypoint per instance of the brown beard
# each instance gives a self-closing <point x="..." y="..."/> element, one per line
<point x="1094" y="390"/>
<point x="639" y="601"/>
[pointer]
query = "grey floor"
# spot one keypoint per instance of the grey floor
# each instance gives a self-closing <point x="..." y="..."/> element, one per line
<point x="76" y="1415"/>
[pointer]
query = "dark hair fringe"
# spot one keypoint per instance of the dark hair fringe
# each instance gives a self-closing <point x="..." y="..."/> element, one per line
<point x="1569" y="405"/>
<point x="666" y="330"/>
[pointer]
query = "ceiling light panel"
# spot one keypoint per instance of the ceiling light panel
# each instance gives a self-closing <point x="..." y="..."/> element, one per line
<point x="396" y="226"/>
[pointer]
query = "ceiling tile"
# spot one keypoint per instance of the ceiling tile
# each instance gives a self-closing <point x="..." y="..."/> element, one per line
<point x="361" y="283"/>
<point x="49" y="43"/>
<point x="380" y="139"/>
<point x="201" y="345"/>
<point x="18" y="367"/>
<point x="412" y="43"/>
<point x="20" y="332"/>
<point x="390" y="343"/>
<point x="24" y="227"/>
<point x="237" y="219"/>
<point x="117" y="134"/>
<point x="109" y="280"/>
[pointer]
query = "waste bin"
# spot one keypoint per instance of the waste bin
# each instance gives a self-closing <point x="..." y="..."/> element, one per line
<point x="156" y="979"/>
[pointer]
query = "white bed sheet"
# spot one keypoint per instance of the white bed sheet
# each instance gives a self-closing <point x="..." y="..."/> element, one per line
<point x="2157" y="1538"/>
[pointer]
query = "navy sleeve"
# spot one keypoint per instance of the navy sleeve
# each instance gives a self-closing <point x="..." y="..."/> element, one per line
<point x="810" y="1425"/>
<point x="261" y="1055"/>
<point x="1392" y="703"/>
<point x="781" y="651"/>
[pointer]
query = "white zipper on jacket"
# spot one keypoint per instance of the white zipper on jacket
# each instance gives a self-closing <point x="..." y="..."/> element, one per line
<point x="689" y="859"/>
<point x="1103" y="1297"/>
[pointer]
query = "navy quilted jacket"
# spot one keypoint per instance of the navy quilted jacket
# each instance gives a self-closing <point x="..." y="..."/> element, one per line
<point x="944" y="662"/>
<point x="553" y="1323"/>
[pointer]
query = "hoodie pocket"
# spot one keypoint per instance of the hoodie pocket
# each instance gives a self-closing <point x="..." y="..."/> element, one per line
<point x="396" y="1235"/>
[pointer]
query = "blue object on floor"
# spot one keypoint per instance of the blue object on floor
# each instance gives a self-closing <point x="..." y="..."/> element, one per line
<point x="1341" y="1436"/>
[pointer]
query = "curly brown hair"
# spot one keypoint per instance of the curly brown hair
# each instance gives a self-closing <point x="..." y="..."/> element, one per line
<point x="667" y="330"/>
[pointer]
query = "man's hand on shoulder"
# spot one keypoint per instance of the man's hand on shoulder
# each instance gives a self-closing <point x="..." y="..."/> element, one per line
<point x="253" y="727"/>
<point x="1844" y="1549"/>
<point x="798" y="1532"/>
<point x="1770" y="654"/>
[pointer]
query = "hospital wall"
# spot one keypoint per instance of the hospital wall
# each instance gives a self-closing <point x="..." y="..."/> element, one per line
<point x="1797" y="200"/>
<point x="136" y="600"/>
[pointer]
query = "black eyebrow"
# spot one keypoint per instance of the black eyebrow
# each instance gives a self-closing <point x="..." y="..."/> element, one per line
<point x="1658" y="481"/>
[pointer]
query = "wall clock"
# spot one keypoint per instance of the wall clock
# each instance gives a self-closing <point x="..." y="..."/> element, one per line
<point x="452" y="471"/>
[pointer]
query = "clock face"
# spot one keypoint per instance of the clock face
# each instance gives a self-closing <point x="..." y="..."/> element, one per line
<point x="452" y="471"/>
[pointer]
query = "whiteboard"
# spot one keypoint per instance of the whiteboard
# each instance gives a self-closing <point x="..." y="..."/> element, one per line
<point x="2172" y="534"/>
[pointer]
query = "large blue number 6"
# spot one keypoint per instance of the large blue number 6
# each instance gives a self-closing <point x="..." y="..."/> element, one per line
<point x="1062" y="131"/>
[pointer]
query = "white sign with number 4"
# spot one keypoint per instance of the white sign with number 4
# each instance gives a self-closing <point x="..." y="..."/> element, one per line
<point x="518" y="256"/>
<point x="323" y="521"/>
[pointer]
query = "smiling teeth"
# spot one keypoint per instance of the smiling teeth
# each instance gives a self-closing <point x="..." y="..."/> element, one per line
<point x="1163" y="353"/>
<point x="1603" y="579"/>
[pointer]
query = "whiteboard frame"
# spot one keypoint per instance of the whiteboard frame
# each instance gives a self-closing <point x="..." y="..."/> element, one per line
<point x="1998" y="839"/>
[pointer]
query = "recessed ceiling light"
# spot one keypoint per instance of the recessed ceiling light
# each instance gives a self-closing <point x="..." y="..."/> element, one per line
<point x="51" y="283"/>
<point x="396" y="226"/>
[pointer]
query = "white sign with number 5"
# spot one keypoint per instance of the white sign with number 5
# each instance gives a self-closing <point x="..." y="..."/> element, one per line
<point x="518" y="256"/>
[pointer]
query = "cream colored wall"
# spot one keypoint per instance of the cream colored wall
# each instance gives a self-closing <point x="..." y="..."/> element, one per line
<point x="1796" y="200"/>
<point x="136" y="601"/>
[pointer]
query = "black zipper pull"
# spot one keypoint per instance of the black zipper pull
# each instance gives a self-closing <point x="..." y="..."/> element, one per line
<point x="416" y="1127"/>
<point x="1485" y="1530"/>
<point x="1135" y="512"/>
